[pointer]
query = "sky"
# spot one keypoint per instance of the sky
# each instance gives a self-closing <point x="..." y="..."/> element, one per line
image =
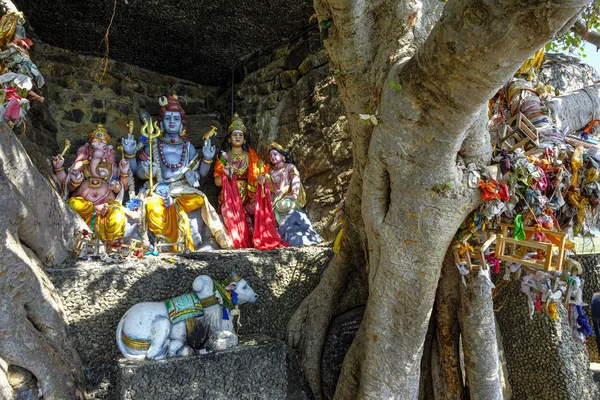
<point x="593" y="56"/>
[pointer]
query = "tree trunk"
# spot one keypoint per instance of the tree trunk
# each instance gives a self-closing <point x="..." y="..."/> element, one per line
<point x="478" y="332"/>
<point x="35" y="225"/>
<point x="449" y="377"/>
<point x="413" y="195"/>
<point x="308" y="326"/>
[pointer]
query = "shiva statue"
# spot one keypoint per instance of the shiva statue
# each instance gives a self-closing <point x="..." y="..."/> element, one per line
<point x="95" y="185"/>
<point x="177" y="211"/>
<point x="288" y="199"/>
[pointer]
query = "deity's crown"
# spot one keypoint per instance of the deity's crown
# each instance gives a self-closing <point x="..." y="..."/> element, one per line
<point x="99" y="133"/>
<point x="275" y="145"/>
<point x="163" y="101"/>
<point x="236" y="124"/>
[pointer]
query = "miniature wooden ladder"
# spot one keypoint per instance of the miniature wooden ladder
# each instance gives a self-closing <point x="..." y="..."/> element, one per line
<point x="475" y="260"/>
<point x="85" y="243"/>
<point x="179" y="245"/>
<point x="524" y="134"/>
<point x="513" y="250"/>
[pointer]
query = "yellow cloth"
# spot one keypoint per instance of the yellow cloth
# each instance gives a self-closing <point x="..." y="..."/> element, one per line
<point x="337" y="244"/>
<point x="109" y="227"/>
<point x="172" y="224"/>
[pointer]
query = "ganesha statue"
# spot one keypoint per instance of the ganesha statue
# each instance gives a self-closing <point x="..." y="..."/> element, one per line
<point x="94" y="185"/>
<point x="176" y="210"/>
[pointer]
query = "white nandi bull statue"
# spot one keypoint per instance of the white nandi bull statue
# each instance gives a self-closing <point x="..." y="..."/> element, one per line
<point x="174" y="327"/>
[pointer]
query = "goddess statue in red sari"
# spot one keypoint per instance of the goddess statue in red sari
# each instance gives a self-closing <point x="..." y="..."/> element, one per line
<point x="243" y="201"/>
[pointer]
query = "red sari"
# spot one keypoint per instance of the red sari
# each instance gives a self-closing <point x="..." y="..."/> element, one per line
<point x="239" y="206"/>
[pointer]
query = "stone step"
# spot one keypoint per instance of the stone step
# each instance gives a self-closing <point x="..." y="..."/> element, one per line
<point x="258" y="368"/>
<point x="96" y="295"/>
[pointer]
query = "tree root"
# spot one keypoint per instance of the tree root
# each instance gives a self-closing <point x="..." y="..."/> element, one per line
<point x="33" y="332"/>
<point x="448" y="379"/>
<point x="309" y="325"/>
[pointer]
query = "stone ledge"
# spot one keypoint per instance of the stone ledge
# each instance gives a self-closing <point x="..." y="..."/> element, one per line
<point x="95" y="295"/>
<point x="259" y="368"/>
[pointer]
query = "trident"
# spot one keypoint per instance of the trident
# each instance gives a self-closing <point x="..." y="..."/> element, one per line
<point x="148" y="130"/>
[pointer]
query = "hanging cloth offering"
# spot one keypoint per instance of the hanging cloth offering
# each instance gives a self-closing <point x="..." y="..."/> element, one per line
<point x="233" y="211"/>
<point x="265" y="235"/>
<point x="519" y="232"/>
<point x="13" y="110"/>
<point x="576" y="163"/>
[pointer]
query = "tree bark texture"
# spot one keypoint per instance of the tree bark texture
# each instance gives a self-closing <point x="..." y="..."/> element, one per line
<point x="34" y="226"/>
<point x="438" y="87"/>
<point x="575" y="110"/>
<point x="308" y="326"/>
<point x="478" y="333"/>
<point x="533" y="346"/>
<point x="449" y="380"/>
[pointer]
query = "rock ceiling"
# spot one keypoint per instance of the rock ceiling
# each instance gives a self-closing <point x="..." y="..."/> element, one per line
<point x="198" y="40"/>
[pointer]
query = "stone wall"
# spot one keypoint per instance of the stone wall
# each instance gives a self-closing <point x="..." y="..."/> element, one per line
<point x="543" y="360"/>
<point x="96" y="295"/>
<point x="78" y="99"/>
<point x="290" y="96"/>
<point x="259" y="368"/>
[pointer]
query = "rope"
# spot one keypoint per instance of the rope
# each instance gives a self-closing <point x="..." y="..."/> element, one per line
<point x="585" y="90"/>
<point x="105" y="59"/>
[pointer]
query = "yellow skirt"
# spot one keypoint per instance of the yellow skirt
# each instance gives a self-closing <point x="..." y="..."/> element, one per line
<point x="109" y="227"/>
<point x="172" y="224"/>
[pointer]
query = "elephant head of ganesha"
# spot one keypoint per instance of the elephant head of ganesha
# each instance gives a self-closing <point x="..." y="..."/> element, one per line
<point x="97" y="150"/>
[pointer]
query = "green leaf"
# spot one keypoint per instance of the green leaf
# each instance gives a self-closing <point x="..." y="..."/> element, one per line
<point x="395" y="85"/>
<point x="325" y="24"/>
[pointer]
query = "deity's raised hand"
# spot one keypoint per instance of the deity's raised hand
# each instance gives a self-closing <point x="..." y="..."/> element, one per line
<point x="208" y="150"/>
<point x="146" y="167"/>
<point x="129" y="144"/>
<point x="58" y="161"/>
<point x="124" y="166"/>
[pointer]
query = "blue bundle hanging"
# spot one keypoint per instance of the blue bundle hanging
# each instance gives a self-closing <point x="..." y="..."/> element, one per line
<point x="583" y="322"/>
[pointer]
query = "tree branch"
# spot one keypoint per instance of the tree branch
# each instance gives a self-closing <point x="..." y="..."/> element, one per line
<point x="580" y="29"/>
<point x="476" y="47"/>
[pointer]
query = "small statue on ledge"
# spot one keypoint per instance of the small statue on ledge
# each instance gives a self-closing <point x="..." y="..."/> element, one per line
<point x="177" y="211"/>
<point x="95" y="185"/>
<point x="201" y="320"/>
<point x="244" y="203"/>
<point x="288" y="199"/>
